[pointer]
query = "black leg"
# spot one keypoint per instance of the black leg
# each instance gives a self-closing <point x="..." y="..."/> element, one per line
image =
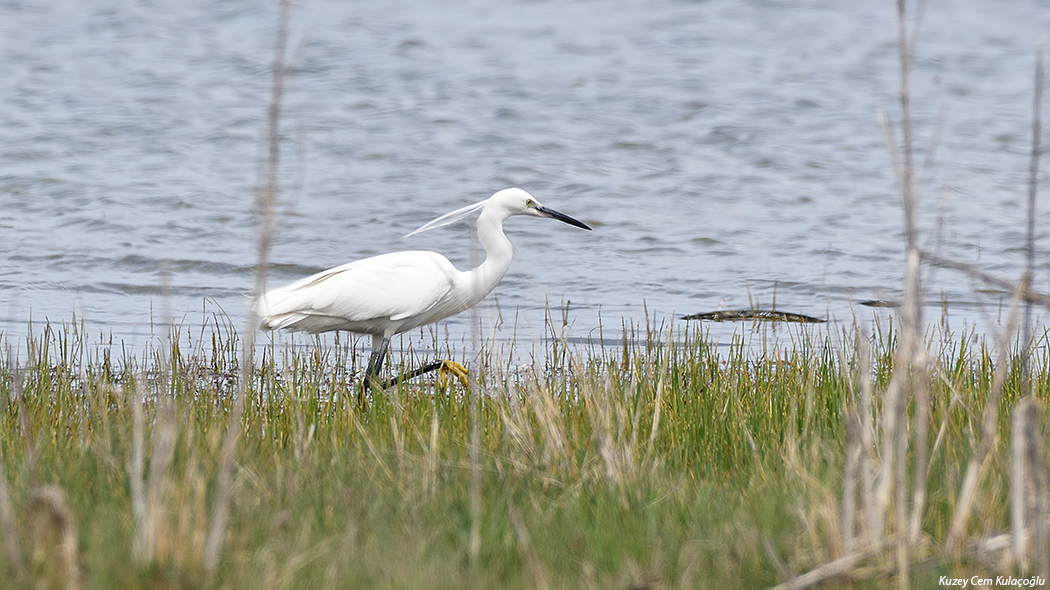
<point x="451" y="366"/>
<point x="375" y="365"/>
<point x="380" y="345"/>
<point x="413" y="373"/>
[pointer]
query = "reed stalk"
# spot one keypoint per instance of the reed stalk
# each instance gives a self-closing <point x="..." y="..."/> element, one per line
<point x="266" y="201"/>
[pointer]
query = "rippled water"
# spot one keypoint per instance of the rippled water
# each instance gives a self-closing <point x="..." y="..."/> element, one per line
<point x="724" y="151"/>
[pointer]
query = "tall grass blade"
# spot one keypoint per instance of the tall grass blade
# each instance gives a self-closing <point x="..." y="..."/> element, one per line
<point x="266" y="201"/>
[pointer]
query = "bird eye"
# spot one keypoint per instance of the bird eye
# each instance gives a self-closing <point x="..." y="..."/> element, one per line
<point x="530" y="203"/>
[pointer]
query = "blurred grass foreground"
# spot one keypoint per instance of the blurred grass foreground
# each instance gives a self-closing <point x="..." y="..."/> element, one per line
<point x="663" y="462"/>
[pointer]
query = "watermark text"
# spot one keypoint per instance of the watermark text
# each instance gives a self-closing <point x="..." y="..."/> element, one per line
<point x="978" y="581"/>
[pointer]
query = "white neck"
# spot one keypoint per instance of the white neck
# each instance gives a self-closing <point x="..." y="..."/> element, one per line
<point x="498" y="254"/>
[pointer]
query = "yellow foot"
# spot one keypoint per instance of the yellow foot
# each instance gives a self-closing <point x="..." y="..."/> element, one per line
<point x="454" y="368"/>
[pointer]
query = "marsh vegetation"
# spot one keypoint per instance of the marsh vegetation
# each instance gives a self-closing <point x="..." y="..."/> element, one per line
<point x="661" y="462"/>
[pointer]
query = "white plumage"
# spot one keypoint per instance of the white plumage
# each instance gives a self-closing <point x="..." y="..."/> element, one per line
<point x="388" y="294"/>
<point x="372" y="296"/>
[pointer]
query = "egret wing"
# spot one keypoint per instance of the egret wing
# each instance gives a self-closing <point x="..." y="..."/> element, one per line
<point x="361" y="295"/>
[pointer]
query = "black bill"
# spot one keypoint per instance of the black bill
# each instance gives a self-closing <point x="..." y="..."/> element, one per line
<point x="562" y="217"/>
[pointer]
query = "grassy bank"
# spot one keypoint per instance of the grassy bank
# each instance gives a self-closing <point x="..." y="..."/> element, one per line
<point x="663" y="462"/>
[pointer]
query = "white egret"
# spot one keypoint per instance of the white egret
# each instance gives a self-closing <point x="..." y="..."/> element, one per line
<point x="388" y="294"/>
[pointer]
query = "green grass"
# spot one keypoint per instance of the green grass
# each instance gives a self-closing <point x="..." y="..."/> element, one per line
<point x="664" y="462"/>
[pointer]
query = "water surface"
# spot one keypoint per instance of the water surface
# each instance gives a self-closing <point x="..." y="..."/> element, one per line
<point x="725" y="152"/>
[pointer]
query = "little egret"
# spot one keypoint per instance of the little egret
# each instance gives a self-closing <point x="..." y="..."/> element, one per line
<point x="388" y="294"/>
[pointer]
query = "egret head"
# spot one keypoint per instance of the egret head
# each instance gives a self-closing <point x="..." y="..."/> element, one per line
<point x="505" y="203"/>
<point x="516" y="201"/>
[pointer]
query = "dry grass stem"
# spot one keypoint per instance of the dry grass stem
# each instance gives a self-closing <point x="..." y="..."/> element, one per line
<point x="1007" y="285"/>
<point x="1024" y="422"/>
<point x="266" y="202"/>
<point x="1033" y="190"/>
<point x="9" y="528"/>
<point x="867" y="441"/>
<point x="139" y="506"/>
<point x="849" y="485"/>
<point x="842" y="567"/>
<point x="53" y="533"/>
<point x="1030" y="519"/>
<point x="532" y="560"/>
<point x="989" y="425"/>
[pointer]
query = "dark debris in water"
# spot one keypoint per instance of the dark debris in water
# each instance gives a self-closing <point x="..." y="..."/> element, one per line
<point x="880" y="303"/>
<point x="759" y="315"/>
